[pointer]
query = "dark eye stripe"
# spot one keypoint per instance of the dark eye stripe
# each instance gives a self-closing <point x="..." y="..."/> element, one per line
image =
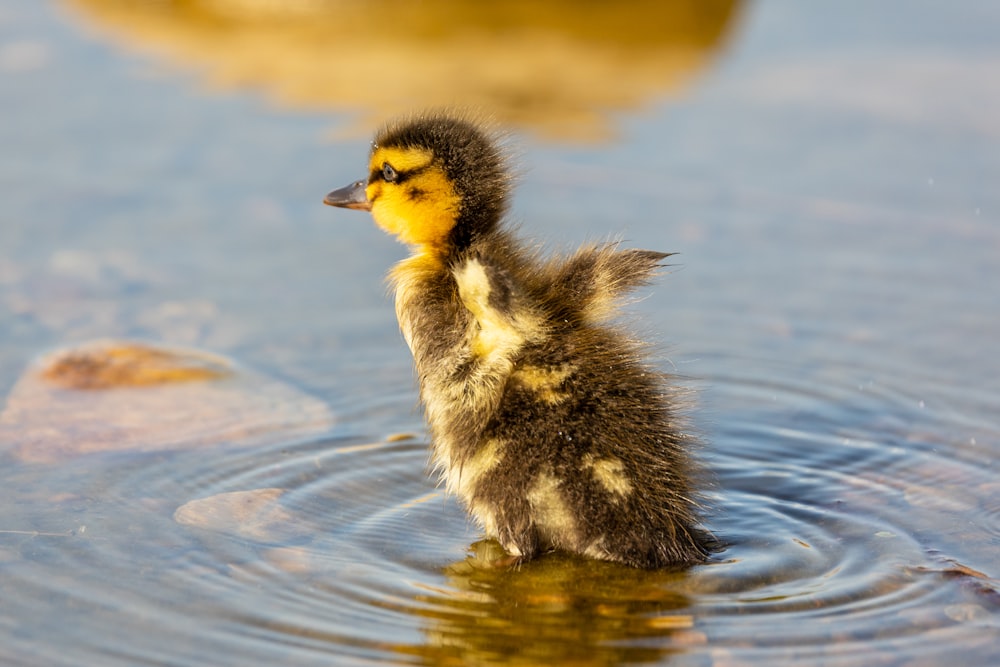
<point x="401" y="176"/>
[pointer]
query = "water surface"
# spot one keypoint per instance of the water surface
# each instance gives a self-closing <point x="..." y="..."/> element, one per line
<point x="828" y="177"/>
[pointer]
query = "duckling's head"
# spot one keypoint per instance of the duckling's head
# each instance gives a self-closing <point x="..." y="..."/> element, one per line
<point x="438" y="182"/>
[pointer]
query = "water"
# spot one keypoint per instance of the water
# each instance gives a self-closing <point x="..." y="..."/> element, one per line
<point x="829" y="180"/>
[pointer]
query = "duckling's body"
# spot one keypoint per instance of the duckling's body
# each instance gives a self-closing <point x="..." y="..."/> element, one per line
<point x="545" y="419"/>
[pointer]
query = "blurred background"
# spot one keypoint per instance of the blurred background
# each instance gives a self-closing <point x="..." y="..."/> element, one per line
<point x="828" y="173"/>
<point x="556" y="68"/>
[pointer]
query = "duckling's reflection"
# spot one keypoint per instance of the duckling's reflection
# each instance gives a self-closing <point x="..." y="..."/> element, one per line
<point x="559" y="609"/>
<point x="556" y="68"/>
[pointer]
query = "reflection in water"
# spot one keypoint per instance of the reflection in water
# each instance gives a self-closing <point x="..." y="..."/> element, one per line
<point x="553" y="67"/>
<point x="843" y="331"/>
<point x="558" y="610"/>
<point x="314" y="553"/>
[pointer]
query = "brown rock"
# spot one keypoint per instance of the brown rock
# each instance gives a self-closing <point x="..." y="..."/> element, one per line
<point x="125" y="396"/>
<point x="254" y="515"/>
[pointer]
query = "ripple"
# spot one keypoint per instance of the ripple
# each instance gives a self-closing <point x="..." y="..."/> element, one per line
<point x="846" y="525"/>
<point x="841" y="535"/>
<point x="819" y="531"/>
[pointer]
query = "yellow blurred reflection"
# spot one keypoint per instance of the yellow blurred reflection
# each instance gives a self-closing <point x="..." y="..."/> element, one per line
<point x="556" y="610"/>
<point x="557" y="67"/>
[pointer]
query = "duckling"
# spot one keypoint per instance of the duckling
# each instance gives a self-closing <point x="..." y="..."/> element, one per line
<point x="545" y="418"/>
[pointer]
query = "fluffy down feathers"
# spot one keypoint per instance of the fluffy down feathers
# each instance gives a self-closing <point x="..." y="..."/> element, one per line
<point x="546" y="419"/>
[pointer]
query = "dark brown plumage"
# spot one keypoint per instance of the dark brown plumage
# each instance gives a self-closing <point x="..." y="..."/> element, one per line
<point x="546" y="419"/>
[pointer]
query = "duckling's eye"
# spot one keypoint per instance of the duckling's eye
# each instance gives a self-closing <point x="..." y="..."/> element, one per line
<point x="388" y="173"/>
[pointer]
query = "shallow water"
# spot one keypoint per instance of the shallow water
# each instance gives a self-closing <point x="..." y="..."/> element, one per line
<point x="830" y="182"/>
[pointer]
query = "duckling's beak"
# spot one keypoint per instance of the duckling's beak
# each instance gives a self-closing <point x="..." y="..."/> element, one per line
<point x="351" y="196"/>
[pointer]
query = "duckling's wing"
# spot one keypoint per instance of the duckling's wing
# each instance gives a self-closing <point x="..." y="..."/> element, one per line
<point x="486" y="288"/>
<point x="593" y="281"/>
<point x="505" y="318"/>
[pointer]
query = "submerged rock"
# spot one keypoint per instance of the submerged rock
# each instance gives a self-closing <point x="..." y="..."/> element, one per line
<point x="255" y="515"/>
<point x="125" y="396"/>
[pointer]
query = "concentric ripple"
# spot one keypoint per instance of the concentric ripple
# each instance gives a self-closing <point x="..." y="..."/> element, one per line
<point x="848" y="540"/>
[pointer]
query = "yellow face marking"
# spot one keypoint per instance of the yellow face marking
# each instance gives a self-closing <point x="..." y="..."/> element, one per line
<point x="401" y="159"/>
<point x="609" y="473"/>
<point x="553" y="518"/>
<point x="422" y="207"/>
<point x="545" y="381"/>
